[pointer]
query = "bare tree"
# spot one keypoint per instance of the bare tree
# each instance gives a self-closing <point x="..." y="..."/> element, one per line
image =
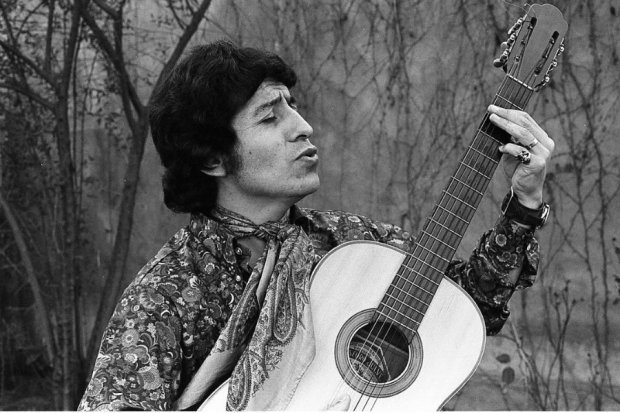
<point x="109" y="37"/>
<point x="41" y="42"/>
<point x="44" y="86"/>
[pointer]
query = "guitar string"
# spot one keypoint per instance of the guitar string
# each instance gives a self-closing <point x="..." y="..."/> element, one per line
<point x="382" y="337"/>
<point x="464" y="191"/>
<point x="469" y="192"/>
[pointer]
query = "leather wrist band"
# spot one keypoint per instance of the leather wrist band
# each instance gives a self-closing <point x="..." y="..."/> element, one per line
<point x="512" y="208"/>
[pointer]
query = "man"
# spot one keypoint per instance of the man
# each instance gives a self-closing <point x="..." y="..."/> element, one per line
<point x="227" y="295"/>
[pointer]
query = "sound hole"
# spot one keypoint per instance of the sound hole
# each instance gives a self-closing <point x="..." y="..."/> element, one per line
<point x="375" y="358"/>
<point x="378" y="352"/>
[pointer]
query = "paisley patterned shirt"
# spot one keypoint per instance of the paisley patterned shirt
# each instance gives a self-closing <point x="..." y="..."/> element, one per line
<point x="170" y="316"/>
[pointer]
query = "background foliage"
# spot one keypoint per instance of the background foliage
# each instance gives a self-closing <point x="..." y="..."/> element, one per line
<point x="394" y="91"/>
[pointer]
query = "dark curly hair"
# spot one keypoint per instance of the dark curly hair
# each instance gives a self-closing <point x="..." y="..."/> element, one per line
<point x="191" y="111"/>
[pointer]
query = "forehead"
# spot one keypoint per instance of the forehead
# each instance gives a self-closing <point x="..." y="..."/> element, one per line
<point x="269" y="89"/>
<point x="266" y="93"/>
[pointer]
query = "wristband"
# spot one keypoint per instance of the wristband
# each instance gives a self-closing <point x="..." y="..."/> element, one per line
<point x="512" y="208"/>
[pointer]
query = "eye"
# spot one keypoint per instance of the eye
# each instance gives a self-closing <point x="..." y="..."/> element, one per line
<point x="293" y="105"/>
<point x="269" y="119"/>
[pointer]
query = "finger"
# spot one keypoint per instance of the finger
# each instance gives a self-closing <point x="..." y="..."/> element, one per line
<point x="525" y="157"/>
<point x="534" y="146"/>
<point x="341" y="404"/>
<point x="521" y="126"/>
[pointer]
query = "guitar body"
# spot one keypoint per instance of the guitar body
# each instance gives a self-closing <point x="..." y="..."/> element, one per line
<point x="347" y="286"/>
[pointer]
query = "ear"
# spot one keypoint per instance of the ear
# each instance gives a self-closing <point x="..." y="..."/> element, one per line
<point x="215" y="167"/>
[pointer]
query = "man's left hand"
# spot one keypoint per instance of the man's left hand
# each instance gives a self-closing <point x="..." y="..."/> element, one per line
<point x="527" y="178"/>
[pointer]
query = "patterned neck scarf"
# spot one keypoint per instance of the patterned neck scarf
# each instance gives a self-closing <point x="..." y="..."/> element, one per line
<point x="268" y="342"/>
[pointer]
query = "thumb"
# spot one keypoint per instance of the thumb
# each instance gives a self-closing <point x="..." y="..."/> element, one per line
<point x="341" y="404"/>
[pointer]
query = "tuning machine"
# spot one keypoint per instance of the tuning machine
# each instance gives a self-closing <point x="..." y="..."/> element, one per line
<point x="552" y="66"/>
<point x="512" y="36"/>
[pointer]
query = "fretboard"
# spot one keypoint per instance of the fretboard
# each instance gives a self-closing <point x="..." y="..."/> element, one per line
<point x="418" y="278"/>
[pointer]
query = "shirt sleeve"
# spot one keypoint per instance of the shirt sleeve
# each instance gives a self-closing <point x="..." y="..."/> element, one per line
<point x="139" y="361"/>
<point x="485" y="275"/>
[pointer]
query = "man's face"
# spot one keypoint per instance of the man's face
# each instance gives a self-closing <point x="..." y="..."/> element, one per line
<point x="277" y="160"/>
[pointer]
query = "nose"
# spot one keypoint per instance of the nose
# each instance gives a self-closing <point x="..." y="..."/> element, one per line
<point x="301" y="128"/>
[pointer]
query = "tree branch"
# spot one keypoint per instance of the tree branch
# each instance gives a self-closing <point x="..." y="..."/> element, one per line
<point x="17" y="53"/>
<point x="114" y="55"/>
<point x="184" y="39"/>
<point x="107" y="9"/>
<point x="47" y="64"/>
<point x="31" y="278"/>
<point x="26" y="91"/>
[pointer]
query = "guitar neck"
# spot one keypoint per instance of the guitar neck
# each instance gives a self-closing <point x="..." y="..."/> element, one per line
<point x="414" y="286"/>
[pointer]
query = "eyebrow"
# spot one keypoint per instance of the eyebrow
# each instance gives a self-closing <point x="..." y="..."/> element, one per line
<point x="263" y="106"/>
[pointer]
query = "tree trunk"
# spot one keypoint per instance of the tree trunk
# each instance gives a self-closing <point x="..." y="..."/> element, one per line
<point x="45" y="326"/>
<point x="140" y="130"/>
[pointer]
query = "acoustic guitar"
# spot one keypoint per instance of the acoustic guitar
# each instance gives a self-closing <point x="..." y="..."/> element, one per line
<point x="411" y="338"/>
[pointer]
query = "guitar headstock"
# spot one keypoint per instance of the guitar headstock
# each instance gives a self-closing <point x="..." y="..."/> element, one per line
<point x="533" y="46"/>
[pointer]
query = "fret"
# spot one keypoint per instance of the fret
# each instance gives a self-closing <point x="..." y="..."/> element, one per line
<point x="439" y="241"/>
<point x="507" y="101"/>
<point x="475" y="170"/>
<point x="434" y="284"/>
<point x="490" y="137"/>
<point x="417" y="269"/>
<point x="440" y="232"/>
<point x="418" y="289"/>
<point x="434" y="254"/>
<point x="403" y="315"/>
<point x="405" y="304"/>
<point x="444" y="227"/>
<point x="482" y="158"/>
<point x="474" y="182"/>
<point x="410" y="294"/>
<point x="483" y="154"/>
<point x="469" y="187"/>
<point x="454" y="215"/>
<point x="420" y="263"/>
<point x="398" y="322"/>
<point x="418" y="305"/>
<point x="484" y="141"/>
<point x="459" y="199"/>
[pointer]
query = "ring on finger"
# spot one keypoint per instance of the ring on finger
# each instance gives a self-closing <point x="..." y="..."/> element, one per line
<point x="524" y="157"/>
<point x="531" y="144"/>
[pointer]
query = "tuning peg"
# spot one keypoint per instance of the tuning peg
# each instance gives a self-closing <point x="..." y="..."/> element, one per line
<point x="561" y="48"/>
<point x="552" y="66"/>
<point x="515" y="27"/>
<point x="501" y="61"/>
<point x="511" y="40"/>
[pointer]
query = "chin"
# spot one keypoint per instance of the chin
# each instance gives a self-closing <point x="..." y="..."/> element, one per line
<point x="308" y="189"/>
<point x="314" y="186"/>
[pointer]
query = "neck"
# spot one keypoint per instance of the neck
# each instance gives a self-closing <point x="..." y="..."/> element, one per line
<point x="256" y="210"/>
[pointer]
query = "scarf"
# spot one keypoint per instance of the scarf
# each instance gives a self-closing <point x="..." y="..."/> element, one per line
<point x="267" y="361"/>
